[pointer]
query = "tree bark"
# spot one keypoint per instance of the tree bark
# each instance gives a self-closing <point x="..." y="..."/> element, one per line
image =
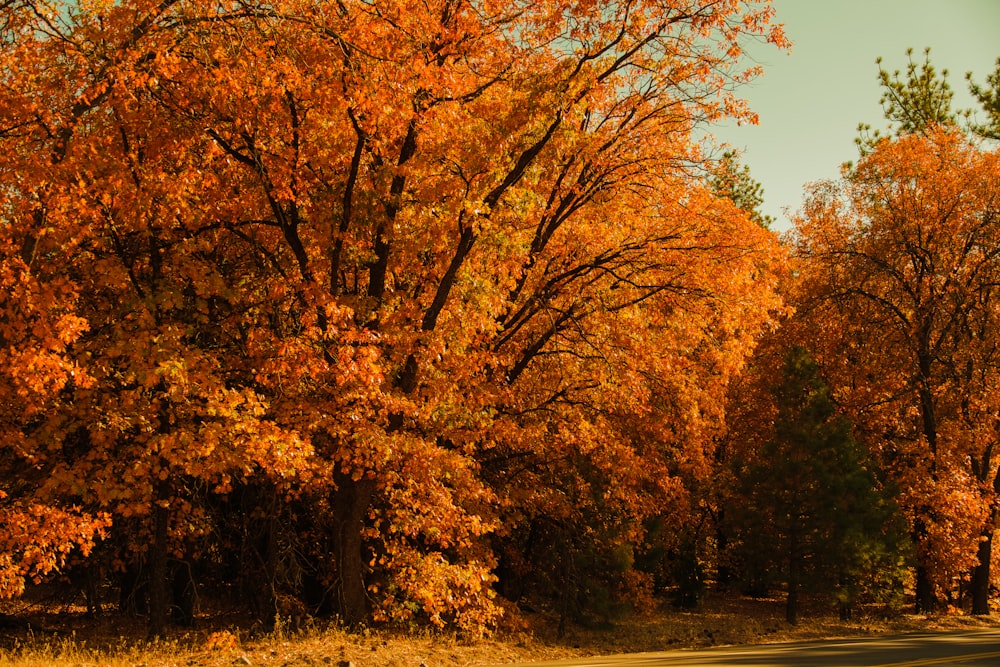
<point x="350" y="504"/>
<point x="184" y="593"/>
<point x="926" y="597"/>
<point x="268" y="601"/>
<point x="723" y="573"/>
<point x="792" y="602"/>
<point x="926" y="601"/>
<point x="159" y="587"/>
<point x="980" y="584"/>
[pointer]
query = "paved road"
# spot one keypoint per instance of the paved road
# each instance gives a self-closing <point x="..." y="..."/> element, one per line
<point x="980" y="648"/>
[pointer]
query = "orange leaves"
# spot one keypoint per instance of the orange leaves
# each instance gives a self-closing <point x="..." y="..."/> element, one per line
<point x="37" y="539"/>
<point x="428" y="588"/>
<point x="949" y="543"/>
<point x="409" y="245"/>
<point x="902" y="257"/>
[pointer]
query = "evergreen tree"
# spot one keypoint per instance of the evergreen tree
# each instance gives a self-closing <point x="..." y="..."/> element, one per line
<point x="912" y="103"/>
<point x="989" y="98"/>
<point x="813" y="516"/>
<point x="733" y="181"/>
<point x="923" y="97"/>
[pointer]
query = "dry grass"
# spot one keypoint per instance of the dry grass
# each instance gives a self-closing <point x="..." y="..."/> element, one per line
<point x="70" y="640"/>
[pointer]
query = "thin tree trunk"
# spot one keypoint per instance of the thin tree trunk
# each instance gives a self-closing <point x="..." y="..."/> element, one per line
<point x="269" y="565"/>
<point x="792" y="602"/>
<point x="926" y="597"/>
<point x="980" y="583"/>
<point x="184" y="593"/>
<point x="723" y="574"/>
<point x="926" y="600"/>
<point x="159" y="586"/>
<point x="845" y="604"/>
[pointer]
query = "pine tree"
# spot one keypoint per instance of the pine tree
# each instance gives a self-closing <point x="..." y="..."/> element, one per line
<point x="813" y="515"/>
<point x="988" y="96"/>
<point x="912" y="104"/>
<point x="733" y="181"/>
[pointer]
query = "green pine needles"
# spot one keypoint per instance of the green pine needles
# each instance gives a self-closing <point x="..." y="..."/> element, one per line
<point x="815" y="518"/>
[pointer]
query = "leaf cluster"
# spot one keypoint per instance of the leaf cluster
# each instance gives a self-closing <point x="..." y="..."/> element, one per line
<point x="343" y="298"/>
<point x="810" y="513"/>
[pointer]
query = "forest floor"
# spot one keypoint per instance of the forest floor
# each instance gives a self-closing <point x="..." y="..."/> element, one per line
<point x="67" y="638"/>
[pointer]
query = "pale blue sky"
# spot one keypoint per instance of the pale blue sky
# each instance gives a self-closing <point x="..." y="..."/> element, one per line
<point x="811" y="100"/>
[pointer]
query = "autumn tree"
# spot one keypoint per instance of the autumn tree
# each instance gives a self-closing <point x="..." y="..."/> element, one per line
<point x="901" y="262"/>
<point x="404" y="276"/>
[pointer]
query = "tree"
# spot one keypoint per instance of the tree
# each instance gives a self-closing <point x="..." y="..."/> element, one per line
<point x="366" y="260"/>
<point x="920" y="102"/>
<point x="809" y="511"/>
<point x="914" y="105"/>
<point x="924" y="99"/>
<point x="900" y="259"/>
<point x="988" y="96"/>
<point x="734" y="182"/>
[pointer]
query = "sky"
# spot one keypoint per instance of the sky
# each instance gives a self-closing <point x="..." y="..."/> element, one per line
<point x="811" y="100"/>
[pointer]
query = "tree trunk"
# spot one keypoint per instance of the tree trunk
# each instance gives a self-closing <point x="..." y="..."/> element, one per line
<point x="792" y="602"/>
<point x="723" y="573"/>
<point x="159" y="587"/>
<point x="268" y="601"/>
<point x="351" y="501"/>
<point x="981" y="575"/>
<point x="133" y="591"/>
<point x="185" y="593"/>
<point x="926" y="600"/>
<point x="845" y="602"/>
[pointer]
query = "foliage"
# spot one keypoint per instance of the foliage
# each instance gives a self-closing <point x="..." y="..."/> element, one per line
<point x="900" y="261"/>
<point x="988" y="96"/>
<point x="394" y="278"/>
<point x="911" y="105"/>
<point x="924" y="99"/>
<point x="733" y="181"/>
<point x="809" y="512"/>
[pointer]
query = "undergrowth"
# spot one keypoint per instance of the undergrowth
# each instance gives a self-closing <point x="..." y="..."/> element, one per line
<point x="69" y="639"/>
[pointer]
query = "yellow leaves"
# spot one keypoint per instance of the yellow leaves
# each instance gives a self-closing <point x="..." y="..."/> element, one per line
<point x="95" y="6"/>
<point x="222" y="640"/>
<point x="430" y="588"/>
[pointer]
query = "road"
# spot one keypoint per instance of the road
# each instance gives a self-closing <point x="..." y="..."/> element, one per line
<point x="980" y="648"/>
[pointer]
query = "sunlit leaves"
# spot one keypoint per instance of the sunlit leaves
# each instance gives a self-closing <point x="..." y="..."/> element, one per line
<point x="376" y="253"/>
<point x="38" y="539"/>
<point x="901" y="260"/>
